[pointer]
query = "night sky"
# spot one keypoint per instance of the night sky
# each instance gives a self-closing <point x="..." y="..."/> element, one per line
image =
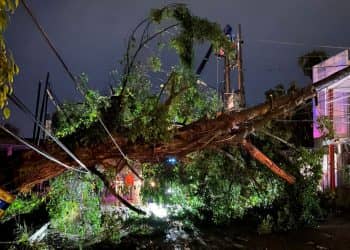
<point x="91" y="36"/>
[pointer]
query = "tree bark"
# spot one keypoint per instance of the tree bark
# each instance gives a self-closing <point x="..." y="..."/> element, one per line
<point x="230" y="127"/>
<point x="262" y="158"/>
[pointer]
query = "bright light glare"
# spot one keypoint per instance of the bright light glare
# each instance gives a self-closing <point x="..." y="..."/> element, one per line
<point x="171" y="160"/>
<point x="157" y="210"/>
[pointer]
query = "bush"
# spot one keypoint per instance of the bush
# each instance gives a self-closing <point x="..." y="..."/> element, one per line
<point x="23" y="204"/>
<point x="74" y="205"/>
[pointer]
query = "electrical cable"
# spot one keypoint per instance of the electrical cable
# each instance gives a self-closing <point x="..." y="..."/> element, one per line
<point x="53" y="98"/>
<point x="332" y="100"/>
<point x="301" y="44"/>
<point x="26" y="111"/>
<point x="46" y="155"/>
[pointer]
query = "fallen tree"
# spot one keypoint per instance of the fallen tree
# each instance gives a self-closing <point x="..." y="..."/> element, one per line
<point x="228" y="128"/>
<point x="136" y="145"/>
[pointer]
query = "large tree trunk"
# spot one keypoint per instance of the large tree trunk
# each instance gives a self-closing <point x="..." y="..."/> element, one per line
<point x="227" y="128"/>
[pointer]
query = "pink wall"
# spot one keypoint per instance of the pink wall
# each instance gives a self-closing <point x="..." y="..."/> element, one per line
<point x="341" y="116"/>
<point x="330" y="66"/>
<point x="340" y="97"/>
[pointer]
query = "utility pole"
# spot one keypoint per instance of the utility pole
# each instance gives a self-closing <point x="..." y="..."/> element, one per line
<point x="231" y="99"/>
<point x="228" y="95"/>
<point x="36" y="111"/>
<point x="241" y="91"/>
<point x="227" y="91"/>
<point x="43" y="109"/>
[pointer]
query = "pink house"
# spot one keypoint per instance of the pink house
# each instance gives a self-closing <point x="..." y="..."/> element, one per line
<point x="128" y="185"/>
<point x="332" y="81"/>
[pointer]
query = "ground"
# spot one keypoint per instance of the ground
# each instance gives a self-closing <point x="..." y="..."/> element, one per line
<point x="331" y="234"/>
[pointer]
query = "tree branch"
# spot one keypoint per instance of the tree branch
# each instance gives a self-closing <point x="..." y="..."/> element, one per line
<point x="262" y="158"/>
<point x="130" y="63"/>
<point x="278" y="139"/>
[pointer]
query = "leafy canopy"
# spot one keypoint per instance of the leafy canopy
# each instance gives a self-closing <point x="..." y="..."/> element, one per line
<point x="193" y="28"/>
<point x="141" y="109"/>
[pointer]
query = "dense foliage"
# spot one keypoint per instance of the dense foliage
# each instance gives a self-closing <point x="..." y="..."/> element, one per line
<point x="23" y="204"/>
<point x="193" y="29"/>
<point x="78" y="117"/>
<point x="222" y="185"/>
<point x="144" y="116"/>
<point x="298" y="204"/>
<point x="142" y="109"/>
<point x="217" y="188"/>
<point x="212" y="187"/>
<point x="74" y="204"/>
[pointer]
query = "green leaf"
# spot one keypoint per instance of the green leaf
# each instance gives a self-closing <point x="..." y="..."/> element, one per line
<point x="6" y="112"/>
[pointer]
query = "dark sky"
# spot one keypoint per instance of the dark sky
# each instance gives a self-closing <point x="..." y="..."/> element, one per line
<point x="91" y="37"/>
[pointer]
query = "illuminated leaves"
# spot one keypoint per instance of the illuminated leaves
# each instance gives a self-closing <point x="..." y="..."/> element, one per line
<point x="74" y="206"/>
<point x="6" y="112"/>
<point x="193" y="29"/>
<point x="8" y="68"/>
<point x="325" y="125"/>
<point x="79" y="115"/>
<point x="74" y="116"/>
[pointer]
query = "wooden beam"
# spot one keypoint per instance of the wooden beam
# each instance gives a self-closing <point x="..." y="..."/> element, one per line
<point x="262" y="158"/>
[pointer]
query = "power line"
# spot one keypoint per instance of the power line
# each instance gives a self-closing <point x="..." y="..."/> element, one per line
<point x="331" y="100"/>
<point x="46" y="155"/>
<point x="309" y="68"/>
<point x="70" y="74"/>
<point x="27" y="111"/>
<point x="287" y="43"/>
<point x="329" y="66"/>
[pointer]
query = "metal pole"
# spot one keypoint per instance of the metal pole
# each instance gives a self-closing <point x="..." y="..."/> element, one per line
<point x="227" y="90"/>
<point x="36" y="110"/>
<point x="331" y="167"/>
<point x="37" y="138"/>
<point x="240" y="68"/>
<point x="45" y="109"/>
<point x="218" y="80"/>
<point x="227" y="75"/>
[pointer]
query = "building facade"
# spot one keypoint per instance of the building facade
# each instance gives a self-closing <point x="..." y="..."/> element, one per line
<point x="331" y="107"/>
<point x="127" y="185"/>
